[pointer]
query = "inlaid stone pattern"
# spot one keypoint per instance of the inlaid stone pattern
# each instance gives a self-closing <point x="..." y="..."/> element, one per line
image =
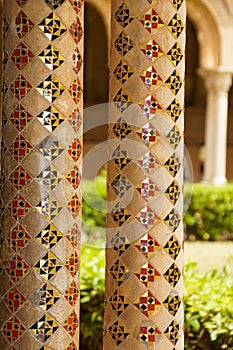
<point x="41" y="174"/>
<point x="144" y="278"/>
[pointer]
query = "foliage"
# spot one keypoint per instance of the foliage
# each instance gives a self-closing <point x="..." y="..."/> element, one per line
<point x="208" y="305"/>
<point x="210" y="213"/>
<point x="208" y="308"/>
<point x="94" y="206"/>
<point x="92" y="298"/>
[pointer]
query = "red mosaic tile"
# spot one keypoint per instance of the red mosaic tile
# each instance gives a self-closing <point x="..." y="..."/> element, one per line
<point x="72" y="294"/>
<point x="21" y="56"/>
<point x="17" y="269"/>
<point x="72" y="264"/>
<point x="20" y="148"/>
<point x="77" y="5"/>
<point x="75" y="91"/>
<point x="74" y="177"/>
<point x="20" y="178"/>
<point x="76" y="31"/>
<point x="71" y="324"/>
<point x="75" y="150"/>
<point x="20" y="87"/>
<point x="20" y="118"/>
<point x="18" y="207"/>
<point x="23" y="24"/>
<point x="74" y="206"/>
<point x="13" y="329"/>
<point x="18" y="238"/>
<point x="14" y="300"/>
<point x="75" y="120"/>
<point x="147" y="274"/>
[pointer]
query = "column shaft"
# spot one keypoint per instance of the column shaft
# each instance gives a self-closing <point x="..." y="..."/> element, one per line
<point x="144" y="284"/>
<point x="41" y="156"/>
<point x="217" y="84"/>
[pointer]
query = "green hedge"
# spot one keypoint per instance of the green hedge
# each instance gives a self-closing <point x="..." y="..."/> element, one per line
<point x="209" y="215"/>
<point x="208" y="305"/>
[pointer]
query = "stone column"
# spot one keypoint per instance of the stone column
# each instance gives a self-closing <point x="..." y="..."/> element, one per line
<point x="144" y="284"/>
<point x="217" y="86"/>
<point x="41" y="155"/>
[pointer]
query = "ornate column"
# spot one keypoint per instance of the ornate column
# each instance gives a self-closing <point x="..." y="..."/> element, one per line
<point x="217" y="85"/>
<point x="40" y="193"/>
<point x="144" y="285"/>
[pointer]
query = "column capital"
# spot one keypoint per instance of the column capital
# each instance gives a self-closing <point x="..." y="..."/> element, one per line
<point x="217" y="81"/>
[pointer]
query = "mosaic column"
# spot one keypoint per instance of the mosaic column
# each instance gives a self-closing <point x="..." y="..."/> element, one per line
<point x="40" y="189"/>
<point x="144" y="284"/>
<point x="217" y="85"/>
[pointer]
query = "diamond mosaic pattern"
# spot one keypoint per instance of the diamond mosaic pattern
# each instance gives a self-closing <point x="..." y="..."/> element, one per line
<point x="72" y="264"/>
<point x="172" y="304"/>
<point x="72" y="294"/>
<point x="148" y="334"/>
<point x="151" y="21"/>
<point x="52" y="26"/>
<point x="118" y="332"/>
<point x="76" y="31"/>
<point x="13" y="329"/>
<point x="123" y="16"/>
<point x="51" y="57"/>
<point x="50" y="178"/>
<point x="152" y="50"/>
<point x="121" y="185"/>
<point x="173" y="164"/>
<point x="119" y="272"/>
<point x="23" y="24"/>
<point x="71" y="324"/>
<point x="119" y="215"/>
<point x="48" y="297"/>
<point x="47" y="266"/>
<point x="118" y="303"/>
<point x="18" y="207"/>
<point x="119" y="243"/>
<point x="17" y="269"/>
<point x="122" y="100"/>
<point x="20" y="87"/>
<point x="77" y="5"/>
<point x="121" y="158"/>
<point x="172" y="332"/>
<point x="148" y="134"/>
<point x="21" y="56"/>
<point x="147" y="274"/>
<point x="173" y="247"/>
<point x="123" y="72"/>
<point x="40" y="168"/>
<point x="176" y="26"/>
<point x="147" y="304"/>
<point x="147" y="218"/>
<point x="18" y="238"/>
<point x="148" y="162"/>
<point x="74" y="206"/>
<point x="173" y="192"/>
<point x="49" y="207"/>
<point x="175" y="55"/>
<point x="172" y="220"/>
<point x="14" y="300"/>
<point x="133" y="77"/>
<point x="49" y="237"/>
<point x="51" y="88"/>
<point x="174" y="110"/>
<point x="75" y="120"/>
<point x="150" y="107"/>
<point x="123" y="43"/>
<point x="20" y="118"/>
<point x="20" y="148"/>
<point x="151" y="78"/>
<point x="147" y="246"/>
<point x="44" y="328"/>
<point x="172" y="275"/>
<point x="121" y="129"/>
<point x="147" y="189"/>
<point x="174" y="82"/>
<point x="20" y="178"/>
<point x="51" y="118"/>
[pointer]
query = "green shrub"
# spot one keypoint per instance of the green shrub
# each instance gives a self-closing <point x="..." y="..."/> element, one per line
<point x="210" y="213"/>
<point x="208" y="309"/>
<point x="208" y="305"/>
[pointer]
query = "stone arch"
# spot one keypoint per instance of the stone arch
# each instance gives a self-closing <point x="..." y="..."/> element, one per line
<point x="208" y="33"/>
